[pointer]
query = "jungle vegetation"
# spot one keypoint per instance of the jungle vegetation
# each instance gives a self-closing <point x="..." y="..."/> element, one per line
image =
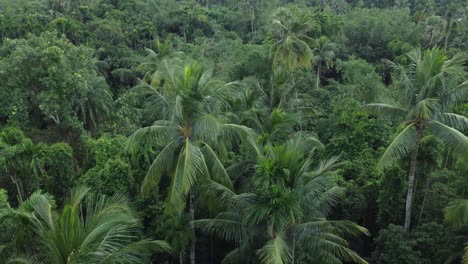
<point x="233" y="131"/>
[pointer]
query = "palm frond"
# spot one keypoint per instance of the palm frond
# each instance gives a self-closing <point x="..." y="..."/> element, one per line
<point x="161" y="164"/>
<point x="190" y="167"/>
<point x="275" y="251"/>
<point x="241" y="134"/>
<point x="453" y="139"/>
<point x="401" y="146"/>
<point x="218" y="172"/>
<point x="385" y="111"/>
<point x="156" y="134"/>
<point x="227" y="226"/>
<point x="456" y="121"/>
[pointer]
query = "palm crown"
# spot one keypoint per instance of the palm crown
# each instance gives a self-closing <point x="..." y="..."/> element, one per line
<point x="427" y="100"/>
<point x="187" y="101"/>
<point x="90" y="229"/>
<point x="285" y="212"/>
<point x="432" y="85"/>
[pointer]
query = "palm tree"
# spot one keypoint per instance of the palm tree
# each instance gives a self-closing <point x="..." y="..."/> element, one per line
<point x="457" y="215"/>
<point x="189" y="130"/>
<point x="253" y="8"/>
<point x="96" y="103"/>
<point x="284" y="218"/>
<point x="431" y="88"/>
<point x="323" y="55"/>
<point x="89" y="229"/>
<point x="434" y="30"/>
<point x="292" y="49"/>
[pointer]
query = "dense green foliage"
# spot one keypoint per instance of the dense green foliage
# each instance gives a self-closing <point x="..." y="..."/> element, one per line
<point x="225" y="131"/>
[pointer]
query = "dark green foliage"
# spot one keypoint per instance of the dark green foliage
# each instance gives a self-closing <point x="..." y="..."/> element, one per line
<point x="229" y="84"/>
<point x="58" y="170"/>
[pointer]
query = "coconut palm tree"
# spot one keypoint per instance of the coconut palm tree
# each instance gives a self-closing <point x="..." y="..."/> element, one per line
<point x="292" y="47"/>
<point x="96" y="104"/>
<point x="284" y="217"/>
<point x="190" y="130"/>
<point x="89" y="229"/>
<point x="292" y="51"/>
<point x="431" y="86"/>
<point x="323" y="55"/>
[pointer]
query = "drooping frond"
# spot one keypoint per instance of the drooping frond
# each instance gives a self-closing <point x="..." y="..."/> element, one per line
<point x="158" y="133"/>
<point x="161" y="164"/>
<point x="240" y="133"/>
<point x="453" y="139"/>
<point x="227" y="226"/>
<point x="325" y="166"/>
<point x="275" y="251"/>
<point x="385" y="111"/>
<point x="456" y="121"/>
<point x="401" y="146"/>
<point x="190" y="167"/>
<point x="217" y="171"/>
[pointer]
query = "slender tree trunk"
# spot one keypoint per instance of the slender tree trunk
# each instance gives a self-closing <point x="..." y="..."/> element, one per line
<point x="252" y="16"/>
<point x="447" y="33"/>
<point x="19" y="186"/>
<point x="318" y="76"/>
<point x="411" y="178"/>
<point x="293" y="248"/>
<point x="297" y="99"/>
<point x="181" y="257"/>
<point x="192" y="214"/>
<point x="425" y="196"/>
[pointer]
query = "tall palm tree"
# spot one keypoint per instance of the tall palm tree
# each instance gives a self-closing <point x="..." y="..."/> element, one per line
<point x="190" y="131"/>
<point x="96" y="103"/>
<point x="292" y="51"/>
<point x="292" y="47"/>
<point x="89" y="229"/>
<point x="284" y="218"/>
<point x="323" y="55"/>
<point x="430" y="88"/>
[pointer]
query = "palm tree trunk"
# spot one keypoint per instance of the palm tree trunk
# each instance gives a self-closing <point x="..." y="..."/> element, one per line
<point x="192" y="214"/>
<point x="19" y="186"/>
<point x="412" y="176"/>
<point x="447" y="33"/>
<point x="297" y="100"/>
<point x="181" y="257"/>
<point x="293" y="248"/>
<point x="425" y="196"/>
<point x="252" y="16"/>
<point x="318" y="76"/>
